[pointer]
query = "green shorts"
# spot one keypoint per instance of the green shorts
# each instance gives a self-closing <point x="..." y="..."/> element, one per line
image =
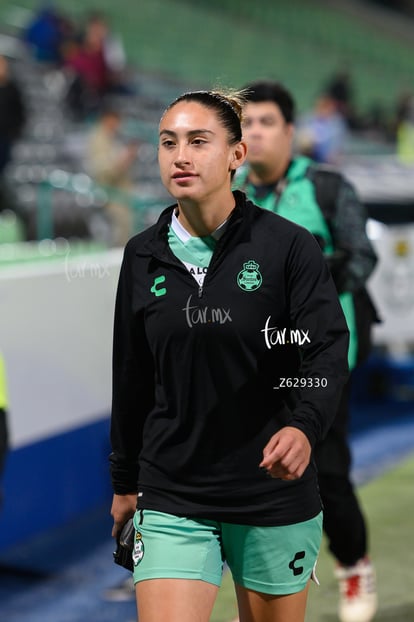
<point x="271" y="560"/>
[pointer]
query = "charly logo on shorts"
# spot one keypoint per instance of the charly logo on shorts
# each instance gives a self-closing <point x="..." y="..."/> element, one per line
<point x="297" y="570"/>
<point x="249" y="278"/>
<point x="139" y="549"/>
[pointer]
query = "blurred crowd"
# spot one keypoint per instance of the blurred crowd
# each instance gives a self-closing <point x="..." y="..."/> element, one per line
<point x="323" y="131"/>
<point x="87" y="63"/>
<point x="85" y="66"/>
<point x="92" y="57"/>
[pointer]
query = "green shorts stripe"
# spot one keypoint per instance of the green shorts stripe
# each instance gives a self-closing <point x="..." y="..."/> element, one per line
<point x="271" y="560"/>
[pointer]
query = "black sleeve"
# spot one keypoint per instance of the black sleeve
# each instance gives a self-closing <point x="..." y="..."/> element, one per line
<point x="4" y="438"/>
<point x="18" y="119"/>
<point x="348" y="227"/>
<point x="132" y="384"/>
<point x="316" y="313"/>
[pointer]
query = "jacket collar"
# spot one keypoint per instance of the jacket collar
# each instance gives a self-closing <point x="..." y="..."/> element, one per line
<point x="157" y="244"/>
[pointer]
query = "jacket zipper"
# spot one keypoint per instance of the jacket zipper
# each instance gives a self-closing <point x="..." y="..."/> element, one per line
<point x="175" y="262"/>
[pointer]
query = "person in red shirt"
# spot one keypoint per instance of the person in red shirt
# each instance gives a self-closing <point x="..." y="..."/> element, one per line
<point x="89" y="71"/>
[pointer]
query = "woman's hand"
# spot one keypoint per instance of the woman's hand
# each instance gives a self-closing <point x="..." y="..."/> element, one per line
<point x="287" y="454"/>
<point x="123" y="508"/>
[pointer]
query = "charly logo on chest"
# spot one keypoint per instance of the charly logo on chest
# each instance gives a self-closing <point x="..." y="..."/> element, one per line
<point x="156" y="289"/>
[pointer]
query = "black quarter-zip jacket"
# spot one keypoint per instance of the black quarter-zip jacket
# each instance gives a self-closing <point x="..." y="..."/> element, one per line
<point x="204" y="376"/>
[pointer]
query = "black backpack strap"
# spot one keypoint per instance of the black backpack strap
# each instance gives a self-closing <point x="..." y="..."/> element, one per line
<point x="327" y="182"/>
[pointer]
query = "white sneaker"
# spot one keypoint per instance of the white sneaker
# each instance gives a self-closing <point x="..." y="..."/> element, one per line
<point x="358" y="593"/>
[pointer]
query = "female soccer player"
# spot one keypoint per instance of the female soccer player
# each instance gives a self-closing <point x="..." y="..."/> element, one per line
<point x="230" y="352"/>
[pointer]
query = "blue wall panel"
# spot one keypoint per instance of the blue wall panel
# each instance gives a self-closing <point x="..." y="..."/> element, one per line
<point x="48" y="483"/>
